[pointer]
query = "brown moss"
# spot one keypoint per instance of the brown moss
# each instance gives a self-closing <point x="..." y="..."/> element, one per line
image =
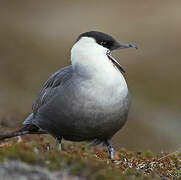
<point x="91" y="163"/>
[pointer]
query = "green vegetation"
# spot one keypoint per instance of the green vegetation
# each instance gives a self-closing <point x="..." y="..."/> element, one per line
<point x="91" y="163"/>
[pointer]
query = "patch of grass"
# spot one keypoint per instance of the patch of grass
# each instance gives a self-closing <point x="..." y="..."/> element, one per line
<point x="91" y="163"/>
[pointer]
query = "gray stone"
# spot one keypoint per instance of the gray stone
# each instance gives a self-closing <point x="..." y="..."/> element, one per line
<point x="16" y="170"/>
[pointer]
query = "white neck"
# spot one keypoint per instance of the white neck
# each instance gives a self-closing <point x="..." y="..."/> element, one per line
<point x="90" y="59"/>
<point x="89" y="56"/>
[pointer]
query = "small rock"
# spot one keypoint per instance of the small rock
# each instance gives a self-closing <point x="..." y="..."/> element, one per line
<point x="16" y="170"/>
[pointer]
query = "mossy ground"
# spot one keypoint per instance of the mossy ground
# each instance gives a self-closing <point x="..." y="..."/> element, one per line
<point x="91" y="162"/>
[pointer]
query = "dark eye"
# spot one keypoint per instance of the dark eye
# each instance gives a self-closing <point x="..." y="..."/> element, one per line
<point x="103" y="43"/>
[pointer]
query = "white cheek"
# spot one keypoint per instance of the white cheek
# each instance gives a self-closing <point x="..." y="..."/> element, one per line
<point x="87" y="52"/>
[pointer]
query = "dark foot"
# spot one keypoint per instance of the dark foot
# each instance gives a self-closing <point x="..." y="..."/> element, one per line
<point x="110" y="149"/>
<point x="59" y="140"/>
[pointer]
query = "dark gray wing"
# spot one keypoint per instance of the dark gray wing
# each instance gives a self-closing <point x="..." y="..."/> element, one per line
<point x="53" y="82"/>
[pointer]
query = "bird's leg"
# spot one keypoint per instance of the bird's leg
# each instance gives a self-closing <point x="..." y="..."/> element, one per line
<point x="19" y="139"/>
<point x="59" y="140"/>
<point x="110" y="149"/>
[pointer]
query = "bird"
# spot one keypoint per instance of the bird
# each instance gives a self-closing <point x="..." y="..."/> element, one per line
<point x="88" y="100"/>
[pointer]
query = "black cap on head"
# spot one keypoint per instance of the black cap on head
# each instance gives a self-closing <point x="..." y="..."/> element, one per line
<point x="109" y="42"/>
<point x="101" y="38"/>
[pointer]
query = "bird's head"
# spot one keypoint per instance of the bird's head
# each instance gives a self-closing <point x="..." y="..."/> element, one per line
<point x="93" y="48"/>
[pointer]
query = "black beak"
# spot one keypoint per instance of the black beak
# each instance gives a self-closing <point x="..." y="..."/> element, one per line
<point x="120" y="46"/>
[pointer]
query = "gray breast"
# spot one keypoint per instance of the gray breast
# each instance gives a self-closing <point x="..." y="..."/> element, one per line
<point x="77" y="116"/>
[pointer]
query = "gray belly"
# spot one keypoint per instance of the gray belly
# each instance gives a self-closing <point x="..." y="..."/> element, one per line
<point x="77" y="117"/>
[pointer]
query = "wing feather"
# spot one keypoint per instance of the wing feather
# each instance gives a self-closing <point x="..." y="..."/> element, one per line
<point x="48" y="90"/>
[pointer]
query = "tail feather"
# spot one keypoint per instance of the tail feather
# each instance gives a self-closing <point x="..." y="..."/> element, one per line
<point x="13" y="134"/>
<point x="28" y="129"/>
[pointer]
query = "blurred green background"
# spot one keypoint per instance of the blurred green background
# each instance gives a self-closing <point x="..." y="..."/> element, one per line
<point x="36" y="38"/>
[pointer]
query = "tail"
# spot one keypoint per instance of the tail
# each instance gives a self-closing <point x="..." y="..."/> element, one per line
<point x="28" y="129"/>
